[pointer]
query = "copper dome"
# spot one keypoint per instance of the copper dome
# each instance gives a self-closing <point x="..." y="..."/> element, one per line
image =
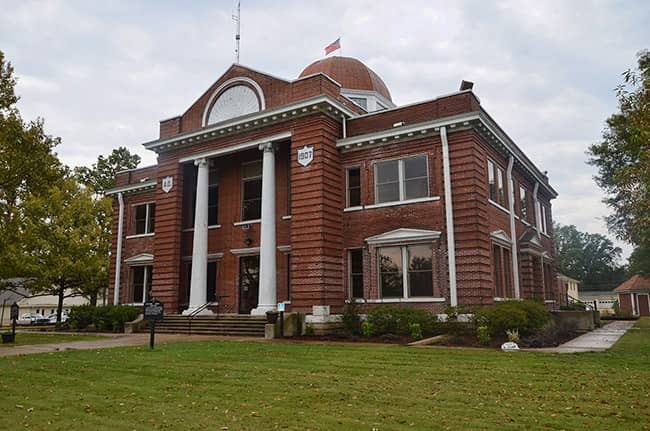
<point x="350" y="73"/>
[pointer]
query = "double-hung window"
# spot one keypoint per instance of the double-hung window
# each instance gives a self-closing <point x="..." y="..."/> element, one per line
<point x="401" y="179"/>
<point x="140" y="283"/>
<point x="497" y="191"/>
<point x="145" y="216"/>
<point x="523" y="204"/>
<point x="353" y="178"/>
<point x="213" y="196"/>
<point x="251" y="208"/>
<point x="356" y="273"/>
<point x="405" y="271"/>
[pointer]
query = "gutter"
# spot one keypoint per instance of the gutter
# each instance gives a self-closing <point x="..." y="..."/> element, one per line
<point x="118" y="254"/>
<point x="513" y="229"/>
<point x="449" y="217"/>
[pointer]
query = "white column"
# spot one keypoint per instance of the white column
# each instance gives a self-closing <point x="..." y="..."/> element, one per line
<point x="199" y="281"/>
<point x="268" y="269"/>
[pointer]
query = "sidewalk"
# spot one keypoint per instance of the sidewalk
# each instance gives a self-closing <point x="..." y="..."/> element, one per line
<point x="597" y="340"/>
<point x="120" y="340"/>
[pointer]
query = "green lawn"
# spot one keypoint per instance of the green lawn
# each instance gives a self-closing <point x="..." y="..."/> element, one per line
<point x="261" y="386"/>
<point x="24" y="338"/>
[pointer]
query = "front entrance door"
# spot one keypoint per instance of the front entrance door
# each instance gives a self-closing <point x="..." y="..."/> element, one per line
<point x="249" y="283"/>
<point x="644" y="307"/>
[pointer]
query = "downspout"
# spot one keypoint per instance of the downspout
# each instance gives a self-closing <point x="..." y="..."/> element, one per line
<point x="513" y="229"/>
<point x="449" y="217"/>
<point x="345" y="127"/>
<point x="118" y="254"/>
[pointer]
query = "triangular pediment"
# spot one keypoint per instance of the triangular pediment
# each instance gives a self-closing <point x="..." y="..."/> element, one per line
<point x="500" y="236"/>
<point x="531" y="237"/>
<point x="140" y="259"/>
<point x="403" y="235"/>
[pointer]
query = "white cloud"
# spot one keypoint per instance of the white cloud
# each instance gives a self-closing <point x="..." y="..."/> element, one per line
<point x="103" y="74"/>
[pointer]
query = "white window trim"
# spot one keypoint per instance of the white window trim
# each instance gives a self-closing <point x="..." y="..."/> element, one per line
<point x="400" y="175"/>
<point x="351" y="209"/>
<point x="402" y="300"/>
<point x="245" y="222"/>
<point x="140" y="235"/>
<point x="405" y="202"/>
<point x="502" y="208"/>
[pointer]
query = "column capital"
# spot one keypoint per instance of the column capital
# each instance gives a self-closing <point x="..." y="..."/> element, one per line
<point x="202" y="162"/>
<point x="266" y="147"/>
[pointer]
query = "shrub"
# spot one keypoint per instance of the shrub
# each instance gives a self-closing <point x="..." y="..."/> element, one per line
<point x="513" y="335"/>
<point x="415" y="331"/>
<point x="309" y="331"/>
<point x="366" y="329"/>
<point x="573" y="306"/>
<point x="528" y="317"/>
<point x="388" y="319"/>
<point x="351" y="318"/>
<point x="483" y="335"/>
<point x="453" y="312"/>
<point x="104" y="317"/>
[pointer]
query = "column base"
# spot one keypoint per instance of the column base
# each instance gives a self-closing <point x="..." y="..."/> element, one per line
<point x="191" y="310"/>
<point x="262" y="309"/>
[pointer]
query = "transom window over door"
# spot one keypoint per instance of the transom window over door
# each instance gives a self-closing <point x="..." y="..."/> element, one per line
<point x="251" y="191"/>
<point x="402" y="179"/>
<point x="415" y="281"/>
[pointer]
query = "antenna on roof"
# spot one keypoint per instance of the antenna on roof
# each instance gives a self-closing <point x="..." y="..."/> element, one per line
<point x="237" y="19"/>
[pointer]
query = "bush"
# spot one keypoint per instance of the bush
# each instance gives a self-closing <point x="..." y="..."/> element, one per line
<point x="366" y="329"/>
<point x="104" y="317"/>
<point x="573" y="306"/>
<point x="351" y="318"/>
<point x="483" y="335"/>
<point x="388" y="319"/>
<point x="415" y="331"/>
<point x="528" y="317"/>
<point x="513" y="335"/>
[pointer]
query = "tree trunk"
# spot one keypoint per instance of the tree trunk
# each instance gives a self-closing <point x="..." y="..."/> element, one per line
<point x="93" y="299"/>
<point x="59" y="307"/>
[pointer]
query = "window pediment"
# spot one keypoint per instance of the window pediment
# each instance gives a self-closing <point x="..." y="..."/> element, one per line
<point x="403" y="235"/>
<point x="501" y="237"/>
<point x="140" y="259"/>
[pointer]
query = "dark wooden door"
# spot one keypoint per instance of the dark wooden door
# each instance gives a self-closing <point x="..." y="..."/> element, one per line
<point x="249" y="283"/>
<point x="644" y="307"/>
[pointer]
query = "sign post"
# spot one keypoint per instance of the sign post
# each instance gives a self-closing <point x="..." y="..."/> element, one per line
<point x="153" y="311"/>
<point x="14" y="318"/>
<point x="281" y="310"/>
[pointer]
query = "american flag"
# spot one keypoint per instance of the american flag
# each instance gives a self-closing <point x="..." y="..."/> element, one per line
<point x="333" y="46"/>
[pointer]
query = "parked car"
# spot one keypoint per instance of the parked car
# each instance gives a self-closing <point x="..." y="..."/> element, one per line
<point x="52" y="318"/>
<point x="33" y="319"/>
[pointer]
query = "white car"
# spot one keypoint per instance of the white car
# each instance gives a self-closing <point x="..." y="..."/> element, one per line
<point x="52" y="318"/>
<point x="32" y="319"/>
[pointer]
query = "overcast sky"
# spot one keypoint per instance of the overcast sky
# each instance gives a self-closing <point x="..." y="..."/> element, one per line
<point x="103" y="74"/>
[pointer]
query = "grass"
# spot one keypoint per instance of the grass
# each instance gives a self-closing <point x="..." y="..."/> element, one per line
<point x="25" y="338"/>
<point x="261" y="386"/>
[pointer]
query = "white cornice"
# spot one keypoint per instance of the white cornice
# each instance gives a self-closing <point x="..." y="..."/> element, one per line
<point x="132" y="188"/>
<point x="402" y="235"/>
<point x="477" y="119"/>
<point x="237" y="147"/>
<point x="323" y="103"/>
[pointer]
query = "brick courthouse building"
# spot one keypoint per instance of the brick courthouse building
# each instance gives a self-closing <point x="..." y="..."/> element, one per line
<point x="316" y="190"/>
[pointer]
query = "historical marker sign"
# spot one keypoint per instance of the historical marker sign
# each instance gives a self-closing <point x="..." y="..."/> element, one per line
<point x="306" y="155"/>
<point x="153" y="310"/>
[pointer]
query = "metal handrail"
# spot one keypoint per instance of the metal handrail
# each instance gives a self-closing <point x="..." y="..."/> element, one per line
<point x="193" y="314"/>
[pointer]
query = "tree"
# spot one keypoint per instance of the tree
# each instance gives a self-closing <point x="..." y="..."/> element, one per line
<point x="623" y="157"/>
<point x="639" y="261"/>
<point x="28" y="165"/>
<point x="590" y="258"/>
<point x="101" y="176"/>
<point x="64" y="247"/>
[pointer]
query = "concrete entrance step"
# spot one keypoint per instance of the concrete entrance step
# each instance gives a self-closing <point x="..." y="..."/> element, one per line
<point x="226" y="324"/>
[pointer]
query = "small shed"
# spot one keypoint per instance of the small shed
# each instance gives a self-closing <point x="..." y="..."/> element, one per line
<point x="634" y="295"/>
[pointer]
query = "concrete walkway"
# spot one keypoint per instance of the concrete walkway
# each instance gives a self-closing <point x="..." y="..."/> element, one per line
<point x="119" y="340"/>
<point x="597" y="340"/>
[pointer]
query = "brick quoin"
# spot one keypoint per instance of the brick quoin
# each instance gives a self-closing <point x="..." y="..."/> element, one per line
<point x="314" y="231"/>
